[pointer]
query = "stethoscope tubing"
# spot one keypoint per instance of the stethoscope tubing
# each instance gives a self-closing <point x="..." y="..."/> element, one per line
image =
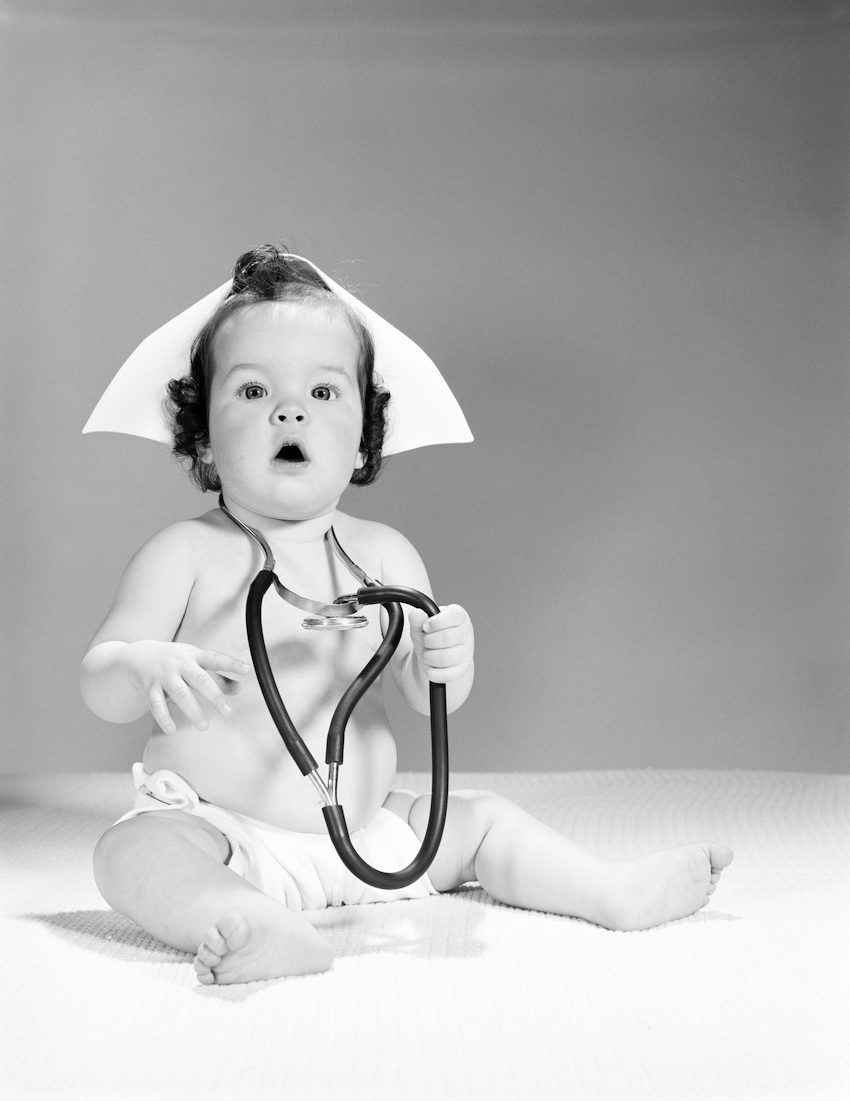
<point x="390" y="597"/>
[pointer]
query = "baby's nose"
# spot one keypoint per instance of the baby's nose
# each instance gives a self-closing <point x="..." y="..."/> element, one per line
<point x="291" y="411"/>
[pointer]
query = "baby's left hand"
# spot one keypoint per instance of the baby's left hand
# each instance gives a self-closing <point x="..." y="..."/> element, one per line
<point x="444" y="643"/>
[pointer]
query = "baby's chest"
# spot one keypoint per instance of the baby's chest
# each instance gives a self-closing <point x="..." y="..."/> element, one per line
<point x="215" y="618"/>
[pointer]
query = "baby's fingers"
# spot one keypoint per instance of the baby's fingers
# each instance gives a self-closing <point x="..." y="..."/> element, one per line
<point x="452" y="615"/>
<point x="416" y="618"/>
<point x="441" y="640"/>
<point x="444" y="666"/>
<point x="442" y="657"/>
<point x="229" y="687"/>
<point x="222" y="668"/>
<point x="180" y="694"/>
<point x="452" y="662"/>
<point x="217" y="662"/>
<point x="207" y="685"/>
<point x="159" y="710"/>
<point x="451" y="628"/>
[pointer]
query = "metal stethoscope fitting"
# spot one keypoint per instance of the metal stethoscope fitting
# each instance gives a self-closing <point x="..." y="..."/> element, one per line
<point x="342" y="615"/>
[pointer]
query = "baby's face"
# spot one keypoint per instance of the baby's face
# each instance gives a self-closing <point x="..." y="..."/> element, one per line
<point x="285" y="413"/>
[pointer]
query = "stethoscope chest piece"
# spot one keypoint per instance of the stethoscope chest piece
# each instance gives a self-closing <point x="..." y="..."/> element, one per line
<point x="339" y="623"/>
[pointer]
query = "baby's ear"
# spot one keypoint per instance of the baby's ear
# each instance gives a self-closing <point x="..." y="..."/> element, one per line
<point x="360" y="461"/>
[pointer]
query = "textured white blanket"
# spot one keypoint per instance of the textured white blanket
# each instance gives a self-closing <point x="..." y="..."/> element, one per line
<point x="456" y="997"/>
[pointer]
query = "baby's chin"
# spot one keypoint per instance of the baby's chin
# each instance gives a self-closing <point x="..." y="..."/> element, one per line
<point x="286" y="507"/>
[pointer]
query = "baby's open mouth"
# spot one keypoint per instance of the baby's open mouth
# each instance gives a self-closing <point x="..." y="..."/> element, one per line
<point x="291" y="453"/>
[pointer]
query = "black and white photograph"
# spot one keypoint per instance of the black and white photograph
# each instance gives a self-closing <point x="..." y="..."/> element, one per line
<point x="426" y="558"/>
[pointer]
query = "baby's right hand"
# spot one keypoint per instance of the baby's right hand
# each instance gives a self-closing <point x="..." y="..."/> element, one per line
<point x="178" y="671"/>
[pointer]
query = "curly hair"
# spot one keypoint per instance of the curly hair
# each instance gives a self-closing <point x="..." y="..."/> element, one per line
<point x="269" y="274"/>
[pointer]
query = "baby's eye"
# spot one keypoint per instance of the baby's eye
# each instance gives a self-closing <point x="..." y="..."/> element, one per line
<point x="252" y="390"/>
<point x="325" y="393"/>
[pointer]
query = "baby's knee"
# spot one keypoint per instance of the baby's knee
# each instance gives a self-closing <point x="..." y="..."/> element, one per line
<point x="479" y="809"/>
<point x="110" y="858"/>
<point x="115" y="842"/>
<point x="470" y="816"/>
<point x="128" y="846"/>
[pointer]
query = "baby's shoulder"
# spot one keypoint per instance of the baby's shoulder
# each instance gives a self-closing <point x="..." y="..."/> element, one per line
<point x="370" y="537"/>
<point x="380" y="550"/>
<point x="183" y="543"/>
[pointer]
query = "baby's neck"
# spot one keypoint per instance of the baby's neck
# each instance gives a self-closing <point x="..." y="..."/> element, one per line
<point x="280" y="531"/>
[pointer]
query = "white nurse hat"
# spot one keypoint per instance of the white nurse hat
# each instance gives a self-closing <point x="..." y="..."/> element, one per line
<point x="422" y="409"/>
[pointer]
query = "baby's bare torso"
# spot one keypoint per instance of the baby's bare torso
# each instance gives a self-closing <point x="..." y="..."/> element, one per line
<point x="239" y="761"/>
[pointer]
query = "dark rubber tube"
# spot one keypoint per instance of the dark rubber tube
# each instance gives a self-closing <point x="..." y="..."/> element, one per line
<point x="390" y="596"/>
<point x="268" y="686"/>
<point x="358" y="687"/>
<point x="338" y="830"/>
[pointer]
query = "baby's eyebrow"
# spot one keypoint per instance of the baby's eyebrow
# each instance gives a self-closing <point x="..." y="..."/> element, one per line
<point x="252" y="367"/>
<point x="331" y="368"/>
<point x="324" y="368"/>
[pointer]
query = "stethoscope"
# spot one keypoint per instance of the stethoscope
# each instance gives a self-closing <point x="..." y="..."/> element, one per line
<point x="339" y="616"/>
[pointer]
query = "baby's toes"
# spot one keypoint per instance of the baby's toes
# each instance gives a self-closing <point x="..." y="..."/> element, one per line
<point x="204" y="965"/>
<point x="214" y="943"/>
<point x="205" y="975"/>
<point x="720" y="857"/>
<point x="234" y="931"/>
<point x="209" y="955"/>
<point x="207" y="958"/>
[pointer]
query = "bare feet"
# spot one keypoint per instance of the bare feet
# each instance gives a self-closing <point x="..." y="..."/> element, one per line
<point x="266" y="942"/>
<point x="663" y="886"/>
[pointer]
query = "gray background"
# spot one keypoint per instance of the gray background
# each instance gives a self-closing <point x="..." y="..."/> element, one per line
<point x="620" y="229"/>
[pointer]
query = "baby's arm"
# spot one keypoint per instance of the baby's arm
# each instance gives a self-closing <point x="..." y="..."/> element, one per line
<point x="133" y="665"/>
<point x="439" y="648"/>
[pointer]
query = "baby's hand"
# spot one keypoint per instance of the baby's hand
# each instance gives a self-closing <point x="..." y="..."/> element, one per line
<point x="179" y="671"/>
<point x="444" y="643"/>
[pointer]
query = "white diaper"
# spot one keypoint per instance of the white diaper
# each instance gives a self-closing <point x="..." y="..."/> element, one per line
<point x="302" y="870"/>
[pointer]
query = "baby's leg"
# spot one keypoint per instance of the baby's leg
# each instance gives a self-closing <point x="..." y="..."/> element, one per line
<point x="165" y="870"/>
<point x="521" y="862"/>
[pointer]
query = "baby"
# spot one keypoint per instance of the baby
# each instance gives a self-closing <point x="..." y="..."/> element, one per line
<point x="227" y="846"/>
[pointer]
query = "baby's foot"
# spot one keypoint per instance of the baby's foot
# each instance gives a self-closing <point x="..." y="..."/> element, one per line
<point x="672" y="883"/>
<point x="247" y="945"/>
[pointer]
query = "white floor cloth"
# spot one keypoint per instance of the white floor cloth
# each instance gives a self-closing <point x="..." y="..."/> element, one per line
<point x="455" y="996"/>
